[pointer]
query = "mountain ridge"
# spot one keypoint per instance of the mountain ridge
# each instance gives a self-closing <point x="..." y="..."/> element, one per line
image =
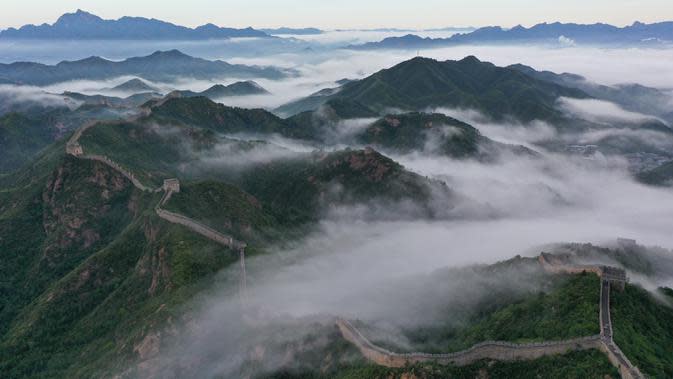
<point x="422" y="83"/>
<point x="245" y="88"/>
<point x="160" y="65"/>
<point x="82" y="25"/>
<point x="555" y="33"/>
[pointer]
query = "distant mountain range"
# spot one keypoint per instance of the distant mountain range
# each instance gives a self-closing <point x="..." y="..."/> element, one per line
<point x="159" y="66"/>
<point x="292" y="31"/>
<point x="557" y="33"/>
<point x="82" y="25"/>
<point x="632" y="97"/>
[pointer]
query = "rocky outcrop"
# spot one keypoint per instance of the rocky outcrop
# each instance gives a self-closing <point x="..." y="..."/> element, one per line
<point x="170" y="186"/>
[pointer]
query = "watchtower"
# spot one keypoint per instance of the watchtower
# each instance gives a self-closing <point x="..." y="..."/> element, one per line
<point x="74" y="149"/>
<point x="616" y="276"/>
<point x="171" y="185"/>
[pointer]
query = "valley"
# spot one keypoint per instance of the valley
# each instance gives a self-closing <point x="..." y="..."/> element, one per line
<point x="292" y="202"/>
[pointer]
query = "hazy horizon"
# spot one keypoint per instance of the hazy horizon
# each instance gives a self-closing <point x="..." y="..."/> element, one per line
<point x="423" y="14"/>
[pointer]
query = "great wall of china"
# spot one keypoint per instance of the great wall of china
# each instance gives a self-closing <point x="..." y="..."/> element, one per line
<point x="507" y="351"/>
<point x="169" y="187"/>
<point x="495" y="350"/>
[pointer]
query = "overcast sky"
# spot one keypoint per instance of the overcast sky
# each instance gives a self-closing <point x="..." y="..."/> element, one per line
<point x="347" y="13"/>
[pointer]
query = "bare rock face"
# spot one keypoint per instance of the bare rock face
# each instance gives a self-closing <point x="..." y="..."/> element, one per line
<point x="75" y="200"/>
<point x="149" y="346"/>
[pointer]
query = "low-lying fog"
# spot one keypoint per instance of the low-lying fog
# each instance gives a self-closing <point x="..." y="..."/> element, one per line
<point x="393" y="270"/>
<point x="537" y="200"/>
<point x="50" y="53"/>
<point x="388" y="269"/>
<point x="323" y="64"/>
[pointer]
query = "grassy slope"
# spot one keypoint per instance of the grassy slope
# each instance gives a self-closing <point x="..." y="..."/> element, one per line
<point x="413" y="131"/>
<point x="297" y="191"/>
<point x="202" y="112"/>
<point x="586" y="364"/>
<point x="21" y="138"/>
<point x="50" y="229"/>
<point x="420" y="83"/>
<point x="643" y="329"/>
<point x="88" y="270"/>
<point x="151" y="156"/>
<point x="135" y="264"/>
<point x="291" y="190"/>
<point x="568" y="310"/>
<point x="561" y="313"/>
<point x="225" y="208"/>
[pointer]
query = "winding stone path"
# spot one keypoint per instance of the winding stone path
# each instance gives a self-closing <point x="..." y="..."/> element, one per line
<point x="507" y="351"/>
<point x="608" y="346"/>
<point x="496" y="350"/>
<point x="200" y="228"/>
<point x="74" y="148"/>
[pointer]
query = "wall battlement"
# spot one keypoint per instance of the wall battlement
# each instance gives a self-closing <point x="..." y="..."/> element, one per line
<point x="509" y="351"/>
<point x="496" y="350"/>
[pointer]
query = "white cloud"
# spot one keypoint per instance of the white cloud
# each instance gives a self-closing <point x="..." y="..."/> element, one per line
<point x="565" y="41"/>
<point x="600" y="111"/>
<point x="17" y="95"/>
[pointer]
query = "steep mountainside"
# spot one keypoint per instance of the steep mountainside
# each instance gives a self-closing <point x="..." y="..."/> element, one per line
<point x="422" y="83"/>
<point x="294" y="188"/>
<point x="400" y="133"/>
<point x="403" y="133"/>
<point x="77" y="229"/>
<point x="435" y="134"/>
<point x="21" y="138"/>
<point x="632" y="97"/>
<point x="642" y="324"/>
<point x="25" y="133"/>
<point x="74" y="228"/>
<point x="204" y="113"/>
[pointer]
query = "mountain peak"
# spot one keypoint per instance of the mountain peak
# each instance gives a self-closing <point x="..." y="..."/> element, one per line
<point x="135" y="85"/>
<point x="78" y="16"/>
<point x="82" y="25"/>
<point x="174" y="53"/>
<point x="471" y="59"/>
<point x="92" y="60"/>
<point x="420" y="59"/>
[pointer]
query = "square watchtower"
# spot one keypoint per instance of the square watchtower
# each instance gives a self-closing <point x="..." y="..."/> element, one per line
<point x="171" y="185"/>
<point x="74" y="149"/>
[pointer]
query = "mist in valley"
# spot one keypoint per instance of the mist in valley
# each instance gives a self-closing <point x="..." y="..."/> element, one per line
<point x="408" y="272"/>
<point x="382" y="262"/>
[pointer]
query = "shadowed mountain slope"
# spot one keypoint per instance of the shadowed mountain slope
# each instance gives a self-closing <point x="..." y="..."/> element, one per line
<point x="159" y="66"/>
<point x="422" y="83"/>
